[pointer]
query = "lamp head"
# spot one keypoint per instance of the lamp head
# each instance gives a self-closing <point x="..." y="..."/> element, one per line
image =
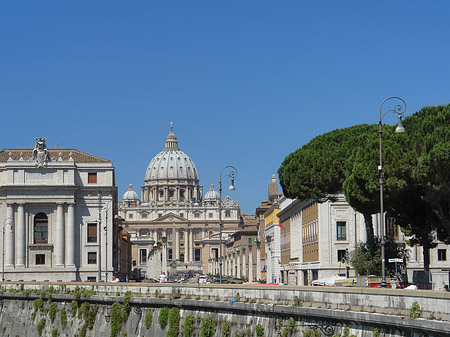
<point x="232" y="188"/>
<point x="399" y="128"/>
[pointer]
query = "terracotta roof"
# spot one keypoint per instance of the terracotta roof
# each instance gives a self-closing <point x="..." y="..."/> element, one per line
<point x="77" y="156"/>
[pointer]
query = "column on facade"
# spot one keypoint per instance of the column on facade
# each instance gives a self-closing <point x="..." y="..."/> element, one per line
<point x="191" y="245"/>
<point x="230" y="261"/>
<point x="250" y="263"/>
<point x="9" y="236"/>
<point x="59" y="242"/>
<point x="244" y="263"/>
<point x="20" y="236"/>
<point x="70" y="236"/>
<point x="258" y="262"/>
<point x="177" y="244"/>
<point x="186" y="245"/>
<point x="155" y="235"/>
<point x="225" y="264"/>
<point x="238" y="273"/>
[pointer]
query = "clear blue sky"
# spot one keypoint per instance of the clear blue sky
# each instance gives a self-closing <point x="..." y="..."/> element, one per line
<point x="245" y="82"/>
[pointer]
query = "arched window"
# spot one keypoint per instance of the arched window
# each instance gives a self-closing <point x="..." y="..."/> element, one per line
<point x="40" y="228"/>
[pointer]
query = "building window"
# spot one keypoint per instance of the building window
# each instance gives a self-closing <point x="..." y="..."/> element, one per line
<point x="196" y="254"/>
<point x="92" y="178"/>
<point x="442" y="254"/>
<point x="170" y="254"/>
<point x="181" y="235"/>
<point x="144" y="216"/>
<point x="130" y="216"/>
<point x="169" y="234"/>
<point x="92" y="232"/>
<point x="342" y="255"/>
<point x="341" y="230"/>
<point x="92" y="279"/>
<point x="227" y="213"/>
<point x="40" y="228"/>
<point x="40" y="259"/>
<point x="171" y="194"/>
<point x="159" y="215"/>
<point x="181" y="257"/>
<point x="92" y="258"/>
<point x="197" y="214"/>
<point x="182" y="215"/>
<point x="142" y="256"/>
<point x="196" y="235"/>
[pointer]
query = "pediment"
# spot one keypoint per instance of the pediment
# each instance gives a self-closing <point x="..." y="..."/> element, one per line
<point x="172" y="218"/>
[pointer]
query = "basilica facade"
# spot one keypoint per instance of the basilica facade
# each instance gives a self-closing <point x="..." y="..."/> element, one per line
<point x="173" y="219"/>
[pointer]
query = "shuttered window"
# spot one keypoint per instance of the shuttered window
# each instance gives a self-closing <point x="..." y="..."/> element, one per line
<point x="92" y="178"/>
<point x="92" y="232"/>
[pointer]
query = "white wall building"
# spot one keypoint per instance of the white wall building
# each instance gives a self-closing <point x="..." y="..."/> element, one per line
<point x="56" y="212"/>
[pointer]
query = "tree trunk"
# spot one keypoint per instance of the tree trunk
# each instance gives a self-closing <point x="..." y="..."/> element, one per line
<point x="369" y="227"/>
<point x="426" y="259"/>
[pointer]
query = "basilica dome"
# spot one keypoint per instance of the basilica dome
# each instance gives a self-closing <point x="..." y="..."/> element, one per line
<point x="130" y="195"/>
<point x="171" y="163"/>
<point x="212" y="194"/>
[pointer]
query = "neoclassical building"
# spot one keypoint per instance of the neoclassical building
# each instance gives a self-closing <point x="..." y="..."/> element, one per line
<point x="174" y="214"/>
<point x="56" y="211"/>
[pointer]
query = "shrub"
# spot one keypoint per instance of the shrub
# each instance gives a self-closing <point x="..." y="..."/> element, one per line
<point x="226" y="329"/>
<point x="55" y="332"/>
<point x="119" y="315"/>
<point x="414" y="312"/>
<point x="208" y="327"/>
<point x="189" y="325"/>
<point x="376" y="332"/>
<point x="148" y="320"/>
<point x="311" y="333"/>
<point x="74" y="307"/>
<point x="63" y="315"/>
<point x="84" y="311"/>
<point x="163" y="317"/>
<point x="346" y="331"/>
<point x="259" y="331"/>
<point x="91" y="317"/>
<point x="38" y="304"/>
<point x="297" y="302"/>
<point x="174" y="322"/>
<point x="41" y="326"/>
<point x="52" y="311"/>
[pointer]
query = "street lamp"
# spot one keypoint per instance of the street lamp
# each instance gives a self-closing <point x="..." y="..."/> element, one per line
<point x="232" y="173"/>
<point x="398" y="109"/>
<point x="3" y="247"/>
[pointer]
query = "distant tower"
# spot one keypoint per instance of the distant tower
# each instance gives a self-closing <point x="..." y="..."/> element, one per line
<point x="273" y="189"/>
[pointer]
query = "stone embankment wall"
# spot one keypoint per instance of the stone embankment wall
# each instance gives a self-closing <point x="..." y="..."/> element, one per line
<point x="236" y="310"/>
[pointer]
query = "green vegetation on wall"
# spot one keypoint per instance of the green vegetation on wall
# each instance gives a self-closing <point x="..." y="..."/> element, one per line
<point x="189" y="322"/>
<point x="208" y="327"/>
<point x="163" y="317"/>
<point x="148" y="319"/>
<point x="174" y="322"/>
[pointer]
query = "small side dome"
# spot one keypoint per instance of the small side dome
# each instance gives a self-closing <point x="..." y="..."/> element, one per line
<point x="212" y="194"/>
<point x="130" y="195"/>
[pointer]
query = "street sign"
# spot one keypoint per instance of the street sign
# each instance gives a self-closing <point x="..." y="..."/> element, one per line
<point x="395" y="260"/>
